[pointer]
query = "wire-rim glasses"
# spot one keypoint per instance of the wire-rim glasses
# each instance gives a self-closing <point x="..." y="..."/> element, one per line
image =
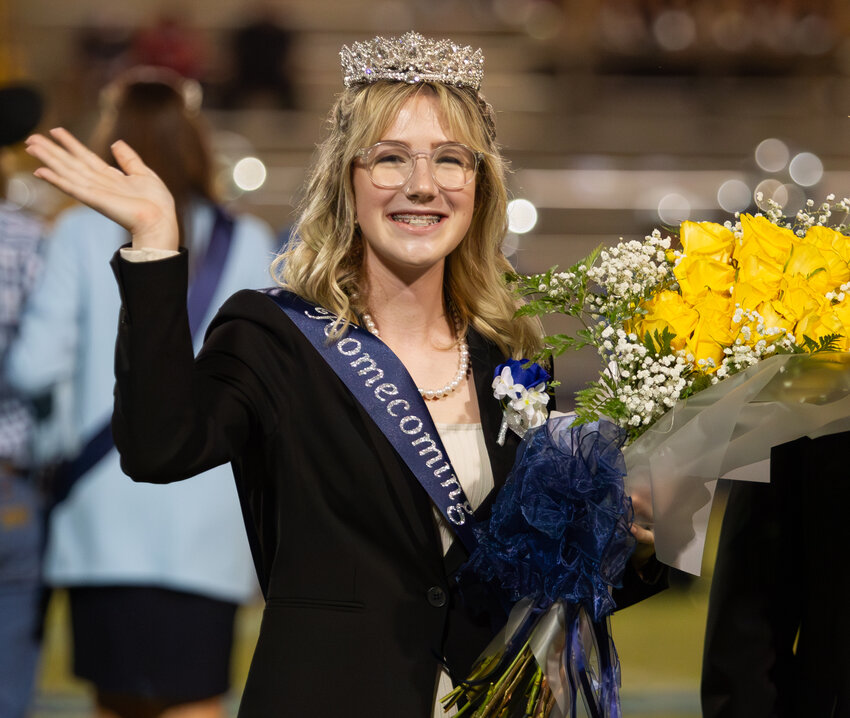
<point x="390" y="164"/>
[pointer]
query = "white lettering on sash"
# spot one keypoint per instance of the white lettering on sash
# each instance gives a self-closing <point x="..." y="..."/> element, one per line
<point x="371" y="367"/>
<point x="324" y="315"/>
<point x="395" y="402"/>
<point x="406" y="420"/>
<point x="389" y="390"/>
<point x="431" y="447"/>
<point x="457" y="514"/>
<point x="342" y="343"/>
<point x="452" y="481"/>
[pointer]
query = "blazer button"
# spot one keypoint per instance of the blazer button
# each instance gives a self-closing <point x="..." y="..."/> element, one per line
<point x="436" y="597"/>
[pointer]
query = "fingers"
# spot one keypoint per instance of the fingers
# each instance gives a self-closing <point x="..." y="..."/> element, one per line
<point x="643" y="535"/>
<point x="129" y="160"/>
<point x="55" y="179"/>
<point x="67" y="156"/>
<point x="640" y="503"/>
<point x="78" y="150"/>
<point x="74" y="169"/>
<point x="64" y="164"/>
<point x="94" y="197"/>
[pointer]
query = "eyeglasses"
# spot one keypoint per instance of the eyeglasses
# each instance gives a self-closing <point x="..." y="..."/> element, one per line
<point x="390" y="164"/>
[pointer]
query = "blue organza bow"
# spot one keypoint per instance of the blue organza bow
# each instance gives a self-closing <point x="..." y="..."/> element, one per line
<point x="559" y="534"/>
<point x="559" y="528"/>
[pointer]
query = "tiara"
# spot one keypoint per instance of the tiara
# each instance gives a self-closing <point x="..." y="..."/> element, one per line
<point x="411" y="58"/>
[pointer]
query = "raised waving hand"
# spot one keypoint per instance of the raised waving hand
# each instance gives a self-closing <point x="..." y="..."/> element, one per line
<point x="133" y="196"/>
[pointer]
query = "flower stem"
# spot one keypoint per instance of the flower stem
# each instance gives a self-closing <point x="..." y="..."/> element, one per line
<point x="499" y="693"/>
<point x="535" y="691"/>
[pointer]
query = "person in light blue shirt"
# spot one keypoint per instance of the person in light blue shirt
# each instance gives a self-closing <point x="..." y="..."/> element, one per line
<point x="20" y="501"/>
<point x="154" y="573"/>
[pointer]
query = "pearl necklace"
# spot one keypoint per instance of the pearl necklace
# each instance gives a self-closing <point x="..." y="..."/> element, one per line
<point x="462" y="364"/>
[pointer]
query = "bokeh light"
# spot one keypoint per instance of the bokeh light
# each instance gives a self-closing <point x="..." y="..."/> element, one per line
<point x="734" y="196"/>
<point x="522" y="216"/>
<point x="772" y="155"/>
<point x="674" y="30"/>
<point x="765" y="191"/>
<point x="788" y="196"/>
<point x="674" y="208"/>
<point x="806" y="169"/>
<point x="249" y="174"/>
<point x="795" y="199"/>
<point x="510" y="244"/>
<point x="19" y="192"/>
<point x="813" y="35"/>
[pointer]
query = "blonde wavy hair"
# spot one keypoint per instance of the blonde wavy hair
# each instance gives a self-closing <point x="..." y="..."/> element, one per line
<point x="323" y="261"/>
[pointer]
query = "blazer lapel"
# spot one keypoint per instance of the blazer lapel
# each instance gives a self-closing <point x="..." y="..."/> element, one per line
<point x="485" y="357"/>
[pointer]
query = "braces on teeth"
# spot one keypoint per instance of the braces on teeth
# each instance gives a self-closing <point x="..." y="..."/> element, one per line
<point x="416" y="219"/>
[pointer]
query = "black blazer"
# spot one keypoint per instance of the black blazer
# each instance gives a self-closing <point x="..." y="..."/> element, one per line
<point x="778" y="628"/>
<point x="359" y="607"/>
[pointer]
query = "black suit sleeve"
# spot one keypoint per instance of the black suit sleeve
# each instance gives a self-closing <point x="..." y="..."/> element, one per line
<point x="174" y="418"/>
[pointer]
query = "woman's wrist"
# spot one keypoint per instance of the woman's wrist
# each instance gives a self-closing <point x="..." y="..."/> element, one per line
<point x="164" y="234"/>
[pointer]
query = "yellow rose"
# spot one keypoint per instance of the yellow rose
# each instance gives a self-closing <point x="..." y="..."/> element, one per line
<point x="763" y="239"/>
<point x="763" y="275"/>
<point x="827" y="238"/>
<point x="816" y="326"/>
<point x="798" y="300"/>
<point x="823" y="269"/>
<point x="707" y="239"/>
<point x="842" y="311"/>
<point x="750" y="296"/>
<point x="714" y="328"/>
<point x="835" y="320"/>
<point x="773" y="319"/>
<point x="696" y="275"/>
<point x="668" y="310"/>
<point x="838" y="242"/>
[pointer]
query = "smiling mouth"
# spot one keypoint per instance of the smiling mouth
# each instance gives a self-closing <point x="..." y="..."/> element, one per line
<point x="417" y="220"/>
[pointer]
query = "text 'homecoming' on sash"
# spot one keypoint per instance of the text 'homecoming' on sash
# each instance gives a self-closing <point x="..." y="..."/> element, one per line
<point x="394" y="404"/>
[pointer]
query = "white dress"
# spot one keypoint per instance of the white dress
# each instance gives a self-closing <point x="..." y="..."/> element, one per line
<point x="468" y="453"/>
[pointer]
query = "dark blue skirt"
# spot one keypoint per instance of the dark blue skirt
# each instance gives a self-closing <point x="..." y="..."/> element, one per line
<point x="152" y="643"/>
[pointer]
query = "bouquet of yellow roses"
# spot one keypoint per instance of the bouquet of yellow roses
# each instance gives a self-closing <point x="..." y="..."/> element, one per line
<point x="711" y="352"/>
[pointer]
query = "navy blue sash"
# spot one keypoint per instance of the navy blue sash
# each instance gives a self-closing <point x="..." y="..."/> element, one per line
<point x="201" y="292"/>
<point x="209" y="271"/>
<point x="381" y="384"/>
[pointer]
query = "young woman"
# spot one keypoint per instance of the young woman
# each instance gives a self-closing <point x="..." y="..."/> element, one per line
<point x="154" y="574"/>
<point x="399" y="236"/>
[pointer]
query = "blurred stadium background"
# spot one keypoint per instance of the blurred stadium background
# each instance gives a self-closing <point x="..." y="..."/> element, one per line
<point x="618" y="116"/>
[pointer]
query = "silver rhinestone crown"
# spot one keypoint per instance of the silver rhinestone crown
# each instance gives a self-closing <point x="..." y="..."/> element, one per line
<point x="412" y="58"/>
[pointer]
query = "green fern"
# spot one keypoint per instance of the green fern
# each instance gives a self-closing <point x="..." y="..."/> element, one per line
<point x="827" y="343"/>
<point x="659" y="344"/>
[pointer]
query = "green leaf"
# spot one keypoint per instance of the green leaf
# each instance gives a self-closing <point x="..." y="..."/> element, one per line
<point x="698" y="383"/>
<point x="590" y="259"/>
<point x="659" y="344"/>
<point x="827" y="343"/>
<point x="536" y="307"/>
